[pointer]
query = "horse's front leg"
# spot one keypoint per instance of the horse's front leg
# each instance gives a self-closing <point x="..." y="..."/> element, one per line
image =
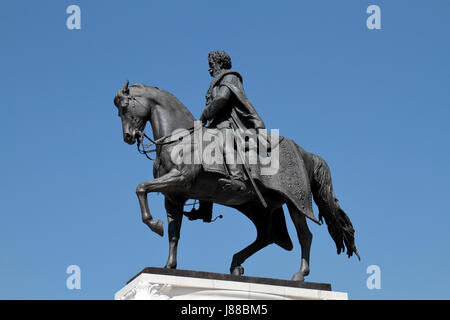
<point x="167" y="182"/>
<point x="174" y="219"/>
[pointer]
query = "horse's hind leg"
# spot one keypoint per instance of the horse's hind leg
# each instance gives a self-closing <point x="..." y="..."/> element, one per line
<point x="305" y="239"/>
<point x="261" y="221"/>
<point x="241" y="256"/>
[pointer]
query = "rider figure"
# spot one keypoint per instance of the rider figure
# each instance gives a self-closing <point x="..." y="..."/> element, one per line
<point x="227" y="108"/>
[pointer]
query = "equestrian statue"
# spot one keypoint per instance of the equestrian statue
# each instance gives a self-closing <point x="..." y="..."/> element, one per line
<point x="231" y="127"/>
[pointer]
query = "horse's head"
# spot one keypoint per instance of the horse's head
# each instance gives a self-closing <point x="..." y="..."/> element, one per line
<point x="134" y="111"/>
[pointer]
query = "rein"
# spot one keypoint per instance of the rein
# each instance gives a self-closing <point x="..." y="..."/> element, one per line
<point x="159" y="142"/>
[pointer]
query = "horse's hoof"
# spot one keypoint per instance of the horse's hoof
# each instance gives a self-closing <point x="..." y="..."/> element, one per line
<point x="156" y="226"/>
<point x="237" y="271"/>
<point x="298" y="277"/>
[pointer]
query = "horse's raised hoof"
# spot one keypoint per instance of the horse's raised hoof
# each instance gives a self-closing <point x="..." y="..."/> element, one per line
<point x="156" y="226"/>
<point x="237" y="271"/>
<point x="298" y="277"/>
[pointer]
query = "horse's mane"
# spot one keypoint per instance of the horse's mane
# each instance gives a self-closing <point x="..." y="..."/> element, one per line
<point x="141" y="85"/>
<point x="144" y="86"/>
<point x="167" y="93"/>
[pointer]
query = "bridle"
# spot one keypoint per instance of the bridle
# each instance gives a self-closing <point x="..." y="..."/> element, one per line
<point x="145" y="150"/>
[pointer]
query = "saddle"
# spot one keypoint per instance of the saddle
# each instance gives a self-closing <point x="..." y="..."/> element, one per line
<point x="257" y="150"/>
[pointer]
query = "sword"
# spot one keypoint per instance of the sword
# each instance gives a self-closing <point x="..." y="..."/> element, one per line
<point x="246" y="169"/>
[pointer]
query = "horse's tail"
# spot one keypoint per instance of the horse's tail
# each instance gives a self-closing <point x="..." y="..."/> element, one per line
<point x="339" y="225"/>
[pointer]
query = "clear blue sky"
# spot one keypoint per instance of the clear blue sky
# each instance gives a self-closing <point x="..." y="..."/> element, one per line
<point x="375" y="104"/>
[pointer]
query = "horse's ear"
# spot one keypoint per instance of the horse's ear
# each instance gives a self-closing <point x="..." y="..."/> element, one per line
<point x="125" y="87"/>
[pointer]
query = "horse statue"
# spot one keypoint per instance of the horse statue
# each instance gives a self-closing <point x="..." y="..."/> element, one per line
<point x="301" y="176"/>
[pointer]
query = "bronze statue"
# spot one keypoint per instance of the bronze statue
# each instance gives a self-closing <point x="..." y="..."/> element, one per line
<point x="301" y="175"/>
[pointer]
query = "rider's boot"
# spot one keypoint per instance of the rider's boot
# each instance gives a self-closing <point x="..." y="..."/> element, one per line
<point x="235" y="181"/>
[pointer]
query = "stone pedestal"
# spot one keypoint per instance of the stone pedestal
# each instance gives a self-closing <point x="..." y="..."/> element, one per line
<point x="169" y="284"/>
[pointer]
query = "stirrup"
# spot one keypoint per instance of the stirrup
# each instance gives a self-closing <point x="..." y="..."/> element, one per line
<point x="196" y="214"/>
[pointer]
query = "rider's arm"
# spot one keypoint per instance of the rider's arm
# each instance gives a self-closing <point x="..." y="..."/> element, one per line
<point x="217" y="104"/>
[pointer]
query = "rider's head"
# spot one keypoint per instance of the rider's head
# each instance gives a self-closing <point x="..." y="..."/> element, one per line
<point x="218" y="60"/>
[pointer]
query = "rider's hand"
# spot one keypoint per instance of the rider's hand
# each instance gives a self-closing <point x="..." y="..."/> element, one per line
<point x="203" y="118"/>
